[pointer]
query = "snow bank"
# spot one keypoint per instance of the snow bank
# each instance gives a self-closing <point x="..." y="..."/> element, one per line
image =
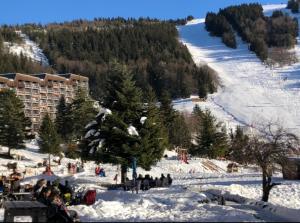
<point x="285" y="213"/>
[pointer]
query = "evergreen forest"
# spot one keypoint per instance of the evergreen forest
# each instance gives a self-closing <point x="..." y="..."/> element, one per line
<point x="148" y="47"/>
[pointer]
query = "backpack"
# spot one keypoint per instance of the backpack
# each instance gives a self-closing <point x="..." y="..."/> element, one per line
<point x="67" y="198"/>
<point x="90" y="197"/>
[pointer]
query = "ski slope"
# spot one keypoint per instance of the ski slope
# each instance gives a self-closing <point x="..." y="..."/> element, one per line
<point x="28" y="48"/>
<point x="251" y="93"/>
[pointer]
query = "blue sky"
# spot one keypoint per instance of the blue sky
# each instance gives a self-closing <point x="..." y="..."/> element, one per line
<point x="45" y="11"/>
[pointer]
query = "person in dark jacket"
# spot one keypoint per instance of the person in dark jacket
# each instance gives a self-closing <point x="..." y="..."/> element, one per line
<point x="170" y="180"/>
<point x="45" y="196"/>
<point x="58" y="212"/>
<point x="40" y="184"/>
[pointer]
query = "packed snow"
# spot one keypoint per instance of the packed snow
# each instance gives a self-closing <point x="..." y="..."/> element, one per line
<point x="28" y="48"/>
<point x="188" y="199"/>
<point x="251" y="93"/>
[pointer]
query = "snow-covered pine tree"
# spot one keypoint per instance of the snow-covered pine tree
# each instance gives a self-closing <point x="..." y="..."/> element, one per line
<point x="118" y="134"/>
<point x="14" y="126"/>
<point x="81" y="112"/>
<point x="48" y="138"/>
<point x="154" y="135"/>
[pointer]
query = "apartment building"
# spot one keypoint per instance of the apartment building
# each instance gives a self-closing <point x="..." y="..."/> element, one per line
<point x="41" y="92"/>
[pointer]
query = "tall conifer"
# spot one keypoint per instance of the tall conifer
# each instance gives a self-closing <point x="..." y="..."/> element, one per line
<point x="14" y="125"/>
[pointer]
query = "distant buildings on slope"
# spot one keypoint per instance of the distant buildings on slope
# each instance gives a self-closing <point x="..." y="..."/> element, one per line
<point x="41" y="92"/>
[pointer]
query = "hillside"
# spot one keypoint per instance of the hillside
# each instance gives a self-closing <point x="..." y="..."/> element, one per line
<point x="149" y="47"/>
<point x="28" y="49"/>
<point x="251" y="93"/>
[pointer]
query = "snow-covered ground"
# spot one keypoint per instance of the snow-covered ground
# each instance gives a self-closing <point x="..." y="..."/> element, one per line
<point x="251" y="93"/>
<point x="28" y="48"/>
<point x="180" y="202"/>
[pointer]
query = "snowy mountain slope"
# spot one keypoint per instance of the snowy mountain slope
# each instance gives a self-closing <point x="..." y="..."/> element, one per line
<point x="251" y="93"/>
<point x="29" y="49"/>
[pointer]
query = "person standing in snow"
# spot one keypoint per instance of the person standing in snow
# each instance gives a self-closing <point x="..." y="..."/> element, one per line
<point x="146" y="182"/>
<point x="169" y="179"/>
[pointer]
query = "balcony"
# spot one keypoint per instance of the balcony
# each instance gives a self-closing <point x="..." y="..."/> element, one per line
<point x="43" y="90"/>
<point x="55" y="85"/>
<point x="50" y="84"/>
<point x="27" y="106"/>
<point x="35" y="86"/>
<point x="20" y="92"/>
<point x="27" y="85"/>
<point x="21" y="84"/>
<point x="43" y="96"/>
<point x="35" y="108"/>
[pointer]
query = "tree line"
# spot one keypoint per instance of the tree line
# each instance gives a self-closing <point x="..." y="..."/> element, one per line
<point x="293" y="5"/>
<point x="149" y="47"/>
<point x="258" y="30"/>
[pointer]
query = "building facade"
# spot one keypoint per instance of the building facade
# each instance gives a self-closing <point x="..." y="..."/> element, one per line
<point x="41" y="92"/>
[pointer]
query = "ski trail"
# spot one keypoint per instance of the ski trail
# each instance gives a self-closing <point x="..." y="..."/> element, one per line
<point x="251" y="94"/>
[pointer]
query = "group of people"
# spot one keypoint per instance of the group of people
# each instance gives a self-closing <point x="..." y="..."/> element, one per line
<point x="14" y="181"/>
<point x="147" y="182"/>
<point x="75" y="168"/>
<point x="99" y="171"/>
<point x="55" y="196"/>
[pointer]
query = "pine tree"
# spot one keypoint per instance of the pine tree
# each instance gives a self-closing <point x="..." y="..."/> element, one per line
<point x="180" y="135"/>
<point x="178" y="132"/>
<point x="154" y="136"/>
<point x="81" y="112"/>
<point x="48" y="137"/>
<point x="168" y="114"/>
<point x="118" y="134"/>
<point x="238" y="144"/>
<point x="14" y="125"/>
<point x="211" y="137"/>
<point x="63" y="120"/>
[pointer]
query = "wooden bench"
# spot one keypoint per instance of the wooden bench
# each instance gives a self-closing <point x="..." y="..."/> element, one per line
<point x="36" y="210"/>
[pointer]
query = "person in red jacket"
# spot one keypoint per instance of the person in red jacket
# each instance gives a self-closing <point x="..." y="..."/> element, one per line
<point x="97" y="170"/>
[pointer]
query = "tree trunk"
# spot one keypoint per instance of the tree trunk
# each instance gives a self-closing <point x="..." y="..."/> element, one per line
<point x="49" y="161"/>
<point x="267" y="186"/>
<point x="123" y="173"/>
<point x="8" y="153"/>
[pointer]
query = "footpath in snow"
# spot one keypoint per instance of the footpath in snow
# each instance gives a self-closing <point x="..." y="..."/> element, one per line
<point x="250" y="93"/>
